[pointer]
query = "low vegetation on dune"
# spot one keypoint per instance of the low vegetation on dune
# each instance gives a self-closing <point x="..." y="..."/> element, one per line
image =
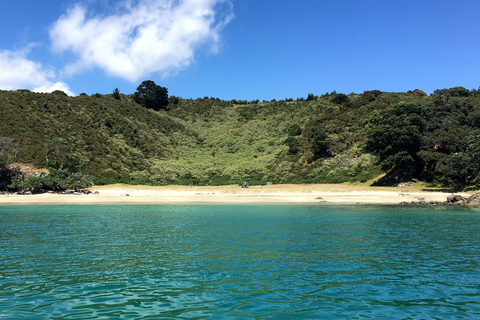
<point x="151" y="138"/>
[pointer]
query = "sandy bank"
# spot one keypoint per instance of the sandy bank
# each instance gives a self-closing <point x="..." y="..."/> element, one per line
<point x="315" y="193"/>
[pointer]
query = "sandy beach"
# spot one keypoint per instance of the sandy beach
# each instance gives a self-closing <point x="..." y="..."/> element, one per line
<point x="311" y="193"/>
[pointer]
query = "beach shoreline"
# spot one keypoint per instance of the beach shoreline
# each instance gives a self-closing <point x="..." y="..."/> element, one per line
<point x="307" y="193"/>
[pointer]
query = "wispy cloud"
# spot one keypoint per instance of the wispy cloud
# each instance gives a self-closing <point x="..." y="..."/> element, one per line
<point x="17" y="71"/>
<point x="142" y="37"/>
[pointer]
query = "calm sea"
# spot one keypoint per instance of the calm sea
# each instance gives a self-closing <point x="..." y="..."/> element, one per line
<point x="239" y="262"/>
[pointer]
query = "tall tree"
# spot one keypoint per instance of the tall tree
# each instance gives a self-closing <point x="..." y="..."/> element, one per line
<point x="116" y="94"/>
<point x="320" y="144"/>
<point x="152" y="96"/>
<point x="395" y="135"/>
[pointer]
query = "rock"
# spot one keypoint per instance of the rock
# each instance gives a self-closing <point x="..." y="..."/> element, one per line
<point x="405" y="184"/>
<point x="422" y="203"/>
<point x="474" y="200"/>
<point x="455" y="199"/>
<point x="437" y="203"/>
<point x="421" y="200"/>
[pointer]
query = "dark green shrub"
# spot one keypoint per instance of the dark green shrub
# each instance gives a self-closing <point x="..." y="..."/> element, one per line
<point x="340" y="98"/>
<point x="453" y="92"/>
<point x="294" y="130"/>
<point x="60" y="93"/>
<point x="320" y="144"/>
<point x="293" y="144"/>
<point x="116" y="94"/>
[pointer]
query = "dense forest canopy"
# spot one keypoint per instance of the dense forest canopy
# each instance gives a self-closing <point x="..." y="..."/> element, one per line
<point x="151" y="138"/>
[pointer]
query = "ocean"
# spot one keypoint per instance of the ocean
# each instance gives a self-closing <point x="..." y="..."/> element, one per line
<point x="239" y="262"/>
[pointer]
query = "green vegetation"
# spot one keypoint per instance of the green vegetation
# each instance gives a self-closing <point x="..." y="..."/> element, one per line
<point x="151" y="95"/>
<point x="8" y="154"/>
<point x="331" y="138"/>
<point x="436" y="141"/>
<point x="116" y="94"/>
<point x="395" y="135"/>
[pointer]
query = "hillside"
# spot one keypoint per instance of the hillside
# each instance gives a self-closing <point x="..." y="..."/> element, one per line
<point x="211" y="142"/>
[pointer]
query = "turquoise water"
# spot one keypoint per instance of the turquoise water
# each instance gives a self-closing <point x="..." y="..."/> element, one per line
<point x="239" y="261"/>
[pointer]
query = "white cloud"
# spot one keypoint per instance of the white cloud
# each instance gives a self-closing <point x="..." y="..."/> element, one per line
<point x="142" y="37"/>
<point x="50" y="87"/>
<point x="18" y="72"/>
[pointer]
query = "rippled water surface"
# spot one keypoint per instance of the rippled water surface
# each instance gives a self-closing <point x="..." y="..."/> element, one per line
<point x="239" y="261"/>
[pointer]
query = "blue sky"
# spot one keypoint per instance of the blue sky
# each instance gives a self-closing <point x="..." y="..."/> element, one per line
<point x="240" y="49"/>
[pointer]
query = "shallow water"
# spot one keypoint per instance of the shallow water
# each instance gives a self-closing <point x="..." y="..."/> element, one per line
<point x="239" y="261"/>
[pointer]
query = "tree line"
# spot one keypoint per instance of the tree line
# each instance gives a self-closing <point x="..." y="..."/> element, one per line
<point x="152" y="138"/>
<point x="437" y="142"/>
<point x="65" y="169"/>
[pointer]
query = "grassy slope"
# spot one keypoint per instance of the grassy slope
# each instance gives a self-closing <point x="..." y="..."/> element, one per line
<point x="210" y="142"/>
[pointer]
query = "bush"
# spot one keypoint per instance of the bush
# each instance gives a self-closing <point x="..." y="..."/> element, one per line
<point x="340" y="98"/>
<point x="294" y="130"/>
<point x="293" y="144"/>
<point x="116" y="94"/>
<point x="60" y="93"/>
<point x="453" y="92"/>
<point x="173" y="100"/>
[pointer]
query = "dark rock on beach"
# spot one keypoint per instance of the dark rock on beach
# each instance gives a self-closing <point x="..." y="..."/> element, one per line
<point x="456" y="199"/>
<point x="474" y="200"/>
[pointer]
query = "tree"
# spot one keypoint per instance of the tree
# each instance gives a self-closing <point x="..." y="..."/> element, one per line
<point x="6" y="173"/>
<point x="453" y="92"/>
<point x="60" y="93"/>
<point x="459" y="170"/>
<point x="395" y="135"/>
<point x="174" y="100"/>
<point x="151" y="95"/>
<point x="33" y="184"/>
<point x="116" y="94"/>
<point x="8" y="154"/>
<point x="293" y="144"/>
<point x="54" y="148"/>
<point x="74" y="163"/>
<point x="454" y="159"/>
<point x="339" y="98"/>
<point x="320" y="144"/>
<point x="10" y="146"/>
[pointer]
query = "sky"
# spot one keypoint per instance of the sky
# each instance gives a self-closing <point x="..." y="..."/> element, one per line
<point x="239" y="49"/>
